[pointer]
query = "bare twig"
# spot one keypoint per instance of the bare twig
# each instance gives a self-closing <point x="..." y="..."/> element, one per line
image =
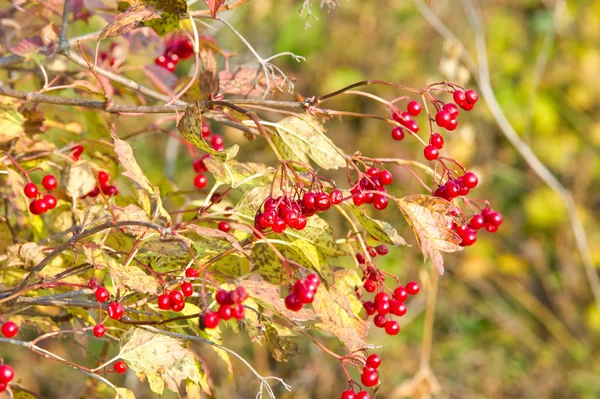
<point x="63" y="43"/>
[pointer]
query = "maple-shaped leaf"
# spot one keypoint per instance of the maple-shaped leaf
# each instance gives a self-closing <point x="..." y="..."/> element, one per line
<point x="164" y="361"/>
<point x="430" y="219"/>
<point x="213" y="6"/>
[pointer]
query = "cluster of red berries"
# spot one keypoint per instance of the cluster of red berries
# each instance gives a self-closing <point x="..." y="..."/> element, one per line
<point x="6" y="376"/>
<point x="216" y="141"/>
<point x="283" y="211"/>
<point x="107" y="189"/>
<point x="369" y="378"/>
<point x="10" y="329"/>
<point x="413" y="108"/>
<point x="230" y="305"/>
<point x="374" y="181"/>
<point x="460" y="186"/>
<point x="175" y="300"/>
<point x="115" y="310"/>
<point x="373" y="252"/>
<point x="177" y="49"/>
<point x="45" y="203"/>
<point x="106" y="57"/>
<point x="303" y="292"/>
<point x="488" y="218"/>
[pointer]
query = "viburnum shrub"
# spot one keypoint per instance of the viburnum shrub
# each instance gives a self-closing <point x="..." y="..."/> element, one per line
<point x="97" y="248"/>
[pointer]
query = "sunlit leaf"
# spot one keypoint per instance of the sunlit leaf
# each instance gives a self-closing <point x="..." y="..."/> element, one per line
<point x="234" y="173"/>
<point x="170" y="11"/>
<point x="380" y="230"/>
<point x="79" y="179"/>
<point x="128" y="20"/>
<point x="269" y="296"/>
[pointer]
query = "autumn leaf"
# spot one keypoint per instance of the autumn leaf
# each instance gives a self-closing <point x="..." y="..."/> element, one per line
<point x="430" y="219"/>
<point x="213" y="6"/>
<point x="269" y="296"/>
<point x="163" y="360"/>
<point x="282" y="343"/>
<point x="380" y="230"/>
<point x="128" y="20"/>
<point x="124" y="393"/>
<point x="79" y="179"/>
<point x="235" y="174"/>
<point x="169" y="11"/>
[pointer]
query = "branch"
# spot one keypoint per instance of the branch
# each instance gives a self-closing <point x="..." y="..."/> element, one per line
<point x="63" y="43"/>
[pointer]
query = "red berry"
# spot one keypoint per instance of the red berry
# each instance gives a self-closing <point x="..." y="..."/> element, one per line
<point x="99" y="330"/>
<point x="50" y="200"/>
<point x="382" y="297"/>
<point x="413" y="108"/>
<point x="216" y="141"/>
<point x="110" y="190"/>
<point x="102" y="178"/>
<point x="380" y="320"/>
<point x="224" y="227"/>
<point x="6" y="373"/>
<point x="293" y="303"/>
<point x="38" y="206"/>
<point x="30" y="190"/>
<point x="222" y="297"/>
<point x="459" y="97"/>
<point x="382" y="249"/>
<point x="164" y="303"/>
<point x="468" y="238"/>
<point x="49" y="182"/>
<point x="392" y="327"/>
<point x="322" y="201"/>
<point x="336" y="196"/>
<point x="380" y="202"/>
<point x="383" y="307"/>
<point x="467" y="106"/>
<point x="77" y="151"/>
<point x="191" y="272"/>
<point x="369" y="378"/>
<point x="102" y="294"/>
<point x="120" y="367"/>
<point x="211" y="320"/>
<point x="279" y="225"/>
<point x="363" y="395"/>
<point x="238" y="311"/>
<point x="313" y="278"/>
<point x="470" y="180"/>
<point x="397" y="133"/>
<point x="175" y="297"/>
<point x="452" y="189"/>
<point x="452" y="124"/>
<point x="471" y="96"/>
<point x="370" y="286"/>
<point x="374" y="361"/>
<point x="359" y="199"/>
<point x="477" y="222"/>
<point x="373" y="171"/>
<point x="301" y="223"/>
<point x="386" y="177"/>
<point x="205" y="129"/>
<point x="436" y="140"/>
<point x="187" y="289"/>
<point x="400" y="294"/>
<point x="491" y="228"/>
<point x="452" y="110"/>
<point x="200" y="181"/>
<point x="397" y="308"/>
<point x="412" y="126"/>
<point x="309" y="200"/>
<point x="370" y="308"/>
<point x="431" y="153"/>
<point x="348" y="394"/>
<point x="306" y="295"/>
<point x="442" y="118"/>
<point x="10" y="329"/>
<point x="115" y="310"/>
<point x="412" y="288"/>
<point x="94" y="193"/>
<point x="494" y="218"/>
<point x="224" y="312"/>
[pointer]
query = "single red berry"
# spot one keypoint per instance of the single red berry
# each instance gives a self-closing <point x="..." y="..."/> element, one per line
<point x="452" y="189"/>
<point x="452" y="110"/>
<point x="238" y="311"/>
<point x="49" y="182"/>
<point x="412" y="288"/>
<point x="373" y="171"/>
<point x="431" y="153"/>
<point x="103" y="178"/>
<point x="224" y="312"/>
<point x="490" y="228"/>
<point x="205" y="130"/>
<point x="382" y="249"/>
<point x="383" y="307"/>
<point x="459" y="97"/>
<point x="470" y="180"/>
<point x="216" y="141"/>
<point x="309" y="200"/>
<point x="413" y="108"/>
<point x="397" y="308"/>
<point x="380" y="202"/>
<point x="467" y="106"/>
<point x="175" y="297"/>
<point x="200" y="181"/>
<point x="494" y="218"/>
<point x="400" y="294"/>
<point x="110" y="190"/>
<point x="413" y="126"/>
<point x="222" y="297"/>
<point x="293" y="303"/>
<point x="6" y="373"/>
<point x="302" y="221"/>
<point x="164" y="303"/>
<point x="374" y="361"/>
<point x="380" y="320"/>
<point x="322" y="201"/>
<point x="10" y="329"/>
<point x="392" y="327"/>
<point x="211" y="320"/>
<point x="442" y="118"/>
<point x="370" y="286"/>
<point x="313" y="278"/>
<point x="115" y="310"/>
<point x="177" y="307"/>
<point x="102" y="294"/>
<point x="224" y="227"/>
<point x="363" y="395"/>
<point x="199" y="166"/>
<point x="50" y="200"/>
<point x="94" y="193"/>
<point x="191" y="272"/>
<point x="369" y="378"/>
<point x="468" y="238"/>
<point x="76" y="151"/>
<point x="348" y="394"/>
<point x="386" y="177"/>
<point x="187" y="289"/>
<point x="452" y="124"/>
<point x="279" y="225"/>
<point x="120" y="367"/>
<point x="397" y="133"/>
<point x="336" y="196"/>
<point x="306" y="295"/>
<point x="370" y="308"/>
<point x="38" y="206"/>
<point x="99" y="330"/>
<point x="31" y="190"/>
<point x="436" y="140"/>
<point x="477" y="222"/>
<point x="360" y="258"/>
<point x="471" y="96"/>
<point x="359" y="199"/>
<point x="382" y="297"/>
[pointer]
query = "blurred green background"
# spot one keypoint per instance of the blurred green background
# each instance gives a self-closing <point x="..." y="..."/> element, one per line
<point x="515" y="316"/>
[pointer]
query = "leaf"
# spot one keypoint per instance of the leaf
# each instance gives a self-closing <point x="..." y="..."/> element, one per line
<point x="430" y="219"/>
<point x="307" y="136"/>
<point x="128" y="20"/>
<point x="124" y="393"/>
<point x="339" y="310"/>
<point x="281" y="342"/>
<point x="313" y="258"/>
<point x="234" y="173"/>
<point x="169" y="11"/>
<point x="190" y="127"/>
<point x="213" y="6"/>
<point x="204" y="232"/>
<point x="318" y="233"/>
<point x="79" y="179"/>
<point x="164" y="360"/>
<point x="25" y="255"/>
<point x="380" y="230"/>
<point x="269" y="296"/>
<point x="32" y="48"/>
<point x="11" y="123"/>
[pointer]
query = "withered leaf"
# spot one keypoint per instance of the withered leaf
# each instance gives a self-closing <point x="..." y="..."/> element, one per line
<point x="213" y="6"/>
<point x="79" y="179"/>
<point x="128" y="20"/>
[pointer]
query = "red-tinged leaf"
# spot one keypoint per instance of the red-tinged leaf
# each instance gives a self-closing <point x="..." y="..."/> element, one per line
<point x="213" y="6"/>
<point x="430" y="218"/>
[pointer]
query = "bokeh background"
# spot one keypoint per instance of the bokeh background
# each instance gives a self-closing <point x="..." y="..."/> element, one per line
<point x="515" y="315"/>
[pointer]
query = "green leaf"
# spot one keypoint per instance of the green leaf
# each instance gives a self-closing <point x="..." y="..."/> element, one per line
<point x="190" y="127"/>
<point x="380" y="230"/>
<point x="318" y="233"/>
<point x="170" y="11"/>
<point x="163" y="360"/>
<point x="236" y="174"/>
<point x="305" y="136"/>
<point x="430" y="219"/>
<point x="312" y="257"/>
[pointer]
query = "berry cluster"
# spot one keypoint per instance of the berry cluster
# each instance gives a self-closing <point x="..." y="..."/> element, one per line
<point x="41" y="204"/>
<point x="6" y="376"/>
<point x="413" y="108"/>
<point x="230" y="305"/>
<point x="175" y="300"/>
<point x="10" y="329"/>
<point x="460" y="186"/>
<point x="369" y="378"/>
<point x="303" y="292"/>
<point x="177" y="49"/>
<point x="107" y="189"/>
<point x="488" y="218"/>
<point x="375" y="180"/>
